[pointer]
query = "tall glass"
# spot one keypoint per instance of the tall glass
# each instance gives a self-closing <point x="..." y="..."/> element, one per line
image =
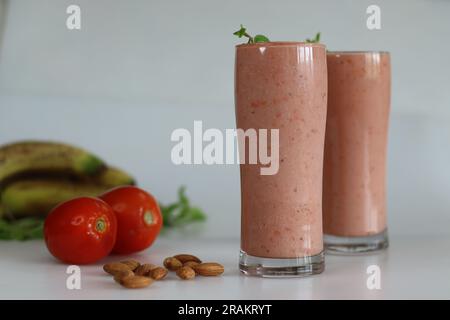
<point x="283" y="86"/>
<point x="354" y="195"/>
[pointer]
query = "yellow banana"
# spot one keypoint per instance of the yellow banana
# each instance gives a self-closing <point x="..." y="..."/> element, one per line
<point x="25" y="198"/>
<point x="35" y="176"/>
<point x="112" y="177"/>
<point x="31" y="157"/>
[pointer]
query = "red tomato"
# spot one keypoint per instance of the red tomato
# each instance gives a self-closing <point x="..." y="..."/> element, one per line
<point x="81" y="230"/>
<point x="139" y="218"/>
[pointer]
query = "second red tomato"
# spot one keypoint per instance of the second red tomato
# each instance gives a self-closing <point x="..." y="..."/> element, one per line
<point x="139" y="218"/>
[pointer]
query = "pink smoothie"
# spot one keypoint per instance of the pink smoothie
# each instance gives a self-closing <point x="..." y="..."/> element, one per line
<point x="283" y="85"/>
<point x="354" y="197"/>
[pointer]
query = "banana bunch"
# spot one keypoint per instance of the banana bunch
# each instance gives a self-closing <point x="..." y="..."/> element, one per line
<point x="37" y="175"/>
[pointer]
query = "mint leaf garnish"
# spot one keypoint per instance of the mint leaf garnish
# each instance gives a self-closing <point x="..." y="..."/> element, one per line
<point x="260" y="38"/>
<point x="316" y="39"/>
<point x="242" y="32"/>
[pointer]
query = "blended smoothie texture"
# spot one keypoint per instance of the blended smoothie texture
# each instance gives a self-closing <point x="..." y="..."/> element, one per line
<point x="354" y="199"/>
<point x="283" y="86"/>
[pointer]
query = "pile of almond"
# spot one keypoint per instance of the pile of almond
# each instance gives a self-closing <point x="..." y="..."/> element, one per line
<point x="132" y="274"/>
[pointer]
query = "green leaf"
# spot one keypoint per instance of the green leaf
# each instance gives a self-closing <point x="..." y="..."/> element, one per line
<point x="22" y="229"/>
<point x="316" y="39"/>
<point x="241" y="32"/>
<point x="182" y="196"/>
<point x="181" y="213"/>
<point x="260" y="38"/>
<point x="197" y="214"/>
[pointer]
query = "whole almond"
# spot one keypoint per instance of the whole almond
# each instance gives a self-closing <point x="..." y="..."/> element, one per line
<point x="209" y="269"/>
<point x="186" y="273"/>
<point x="115" y="267"/>
<point x="119" y="276"/>
<point x="172" y="263"/>
<point x="136" y="282"/>
<point x="144" y="269"/>
<point x="190" y="264"/>
<point x="187" y="257"/>
<point x="158" y="273"/>
<point x="133" y="264"/>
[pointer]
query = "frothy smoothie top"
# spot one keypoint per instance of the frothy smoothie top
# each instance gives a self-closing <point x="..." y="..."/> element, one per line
<point x="279" y="44"/>
<point x="356" y="52"/>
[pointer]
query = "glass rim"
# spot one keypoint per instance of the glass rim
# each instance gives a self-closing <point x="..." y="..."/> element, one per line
<point x="280" y="44"/>
<point x="357" y="52"/>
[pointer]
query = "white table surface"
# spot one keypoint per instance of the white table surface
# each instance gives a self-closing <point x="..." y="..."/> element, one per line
<point x="413" y="267"/>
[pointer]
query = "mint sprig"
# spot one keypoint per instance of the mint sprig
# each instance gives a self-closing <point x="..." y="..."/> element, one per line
<point x="181" y="212"/>
<point x="22" y="229"/>
<point x="242" y="32"/>
<point x="316" y="39"/>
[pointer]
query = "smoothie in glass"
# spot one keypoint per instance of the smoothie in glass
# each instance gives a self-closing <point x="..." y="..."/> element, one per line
<point x="354" y="195"/>
<point x="283" y="85"/>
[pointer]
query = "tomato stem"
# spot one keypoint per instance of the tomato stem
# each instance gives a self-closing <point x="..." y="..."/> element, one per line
<point x="148" y="218"/>
<point x="100" y="225"/>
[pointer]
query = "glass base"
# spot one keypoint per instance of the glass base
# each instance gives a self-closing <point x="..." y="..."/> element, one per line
<point x="279" y="267"/>
<point x="354" y="245"/>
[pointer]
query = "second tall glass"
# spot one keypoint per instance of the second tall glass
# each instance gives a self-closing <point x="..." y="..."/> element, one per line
<point x="354" y="199"/>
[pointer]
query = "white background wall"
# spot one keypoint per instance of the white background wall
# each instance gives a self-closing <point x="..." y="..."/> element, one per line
<point x="139" y="69"/>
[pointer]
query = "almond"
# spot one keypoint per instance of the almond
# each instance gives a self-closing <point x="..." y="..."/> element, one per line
<point x="133" y="264"/>
<point x="136" y="282"/>
<point x="209" y="269"/>
<point x="144" y="269"/>
<point x="186" y="273"/>
<point x="190" y="264"/>
<point x="119" y="276"/>
<point x="115" y="267"/>
<point x="158" y="273"/>
<point x="187" y="257"/>
<point x="172" y="263"/>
